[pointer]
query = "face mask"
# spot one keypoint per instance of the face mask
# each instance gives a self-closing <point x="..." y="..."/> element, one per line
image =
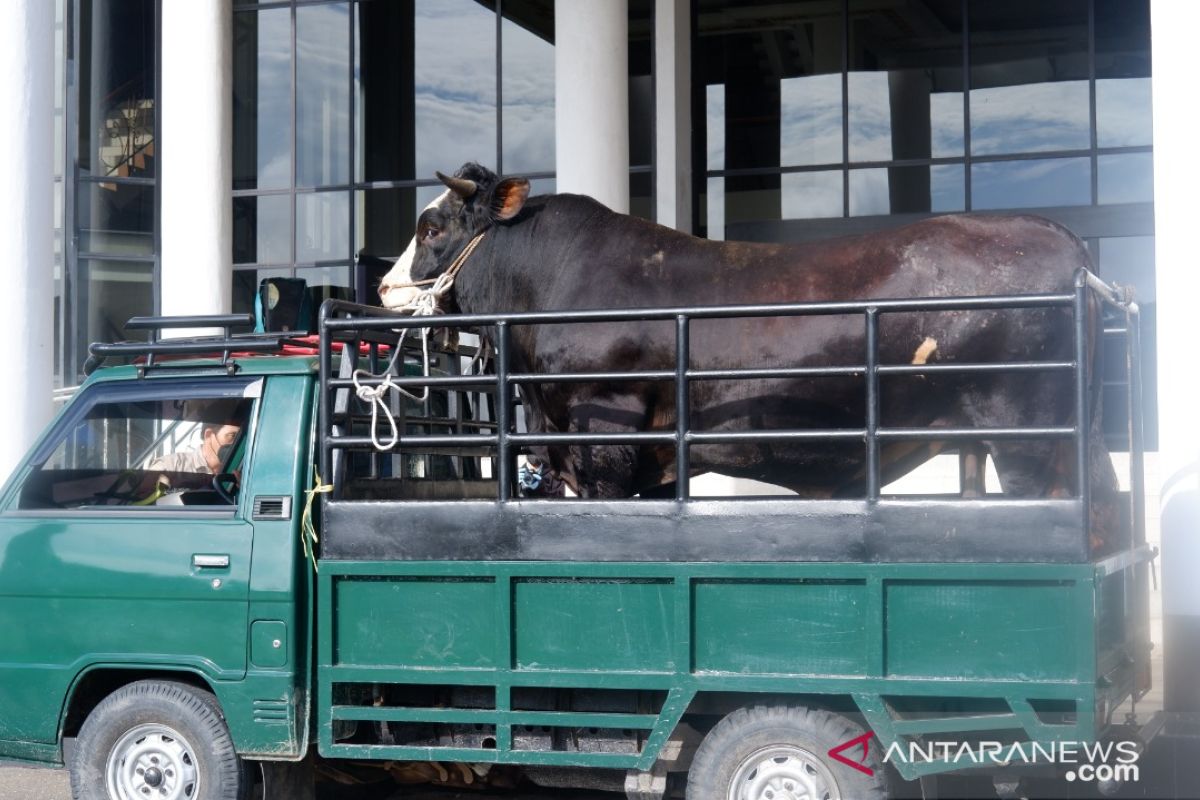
<point x="224" y="452"/>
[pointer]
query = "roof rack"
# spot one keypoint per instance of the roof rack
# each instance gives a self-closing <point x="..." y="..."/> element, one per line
<point x="226" y="344"/>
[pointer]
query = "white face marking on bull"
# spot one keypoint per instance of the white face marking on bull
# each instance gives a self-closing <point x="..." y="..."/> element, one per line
<point x="393" y="290"/>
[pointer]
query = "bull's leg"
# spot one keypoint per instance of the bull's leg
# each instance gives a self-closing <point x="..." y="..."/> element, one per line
<point x="1035" y="468"/>
<point x="1046" y="470"/>
<point x="604" y="471"/>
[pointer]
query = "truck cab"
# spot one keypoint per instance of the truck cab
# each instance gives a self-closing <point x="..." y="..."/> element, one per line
<point x="119" y="565"/>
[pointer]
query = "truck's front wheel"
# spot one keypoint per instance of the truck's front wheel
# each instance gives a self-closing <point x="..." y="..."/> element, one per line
<point x="160" y="740"/>
<point x="781" y="753"/>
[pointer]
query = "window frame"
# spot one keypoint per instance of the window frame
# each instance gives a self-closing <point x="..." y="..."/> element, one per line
<point x="144" y="389"/>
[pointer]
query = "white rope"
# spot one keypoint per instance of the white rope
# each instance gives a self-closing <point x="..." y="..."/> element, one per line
<point x="424" y="304"/>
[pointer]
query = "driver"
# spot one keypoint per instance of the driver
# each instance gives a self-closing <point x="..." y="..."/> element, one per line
<point x="216" y="444"/>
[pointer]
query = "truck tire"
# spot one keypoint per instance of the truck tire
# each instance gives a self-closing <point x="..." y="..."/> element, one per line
<point x="781" y="753"/>
<point x="157" y="739"/>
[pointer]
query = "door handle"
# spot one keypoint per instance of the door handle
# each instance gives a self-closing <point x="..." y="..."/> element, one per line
<point x="203" y="560"/>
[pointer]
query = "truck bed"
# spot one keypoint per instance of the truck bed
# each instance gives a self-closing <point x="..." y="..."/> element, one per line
<point x="595" y="663"/>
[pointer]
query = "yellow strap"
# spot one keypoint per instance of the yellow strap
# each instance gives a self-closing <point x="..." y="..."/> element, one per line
<point x="161" y="487"/>
<point x="308" y="534"/>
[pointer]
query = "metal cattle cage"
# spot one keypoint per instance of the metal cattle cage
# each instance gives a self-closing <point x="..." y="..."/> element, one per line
<point x="1061" y="524"/>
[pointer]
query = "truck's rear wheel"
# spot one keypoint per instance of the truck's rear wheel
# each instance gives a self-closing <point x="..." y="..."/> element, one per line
<point x="157" y="740"/>
<point x="781" y="753"/>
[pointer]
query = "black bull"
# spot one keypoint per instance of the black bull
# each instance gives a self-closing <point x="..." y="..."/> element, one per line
<point x="570" y="252"/>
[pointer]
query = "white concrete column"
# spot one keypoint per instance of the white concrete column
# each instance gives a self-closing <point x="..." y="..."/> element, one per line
<point x="196" y="156"/>
<point x="673" y="113"/>
<point x="27" y="223"/>
<point x="591" y="100"/>
<point x="1176" y="178"/>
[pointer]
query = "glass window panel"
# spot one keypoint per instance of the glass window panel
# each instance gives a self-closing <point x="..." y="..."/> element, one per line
<point x="383" y="80"/>
<point x="1126" y="178"/>
<point x="527" y="75"/>
<point x="117" y="89"/>
<point x="262" y="229"/>
<point x="454" y="85"/>
<point x="262" y="104"/>
<point x="712" y="208"/>
<point x="113" y="455"/>
<point x="750" y="200"/>
<point x="322" y="95"/>
<point x="641" y="85"/>
<point x="809" y="195"/>
<point x="1123" y="112"/>
<point x="323" y="279"/>
<point x="714" y="120"/>
<point x="426" y="195"/>
<point x="811" y="120"/>
<point x="426" y="88"/>
<point x="905" y="83"/>
<point x="780" y="69"/>
<point x="1129" y="261"/>
<point x="1123" y="73"/>
<point x="322" y="226"/>
<point x="897" y="190"/>
<point x="108" y="294"/>
<point x="1031" y="184"/>
<point x="641" y="195"/>
<point x="869" y="190"/>
<point x="947" y="186"/>
<point x="115" y="218"/>
<point x="542" y="186"/>
<point x="384" y="220"/>
<point x="1029" y="71"/>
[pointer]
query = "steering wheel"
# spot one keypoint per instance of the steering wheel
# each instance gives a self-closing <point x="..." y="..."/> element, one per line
<point x="218" y="484"/>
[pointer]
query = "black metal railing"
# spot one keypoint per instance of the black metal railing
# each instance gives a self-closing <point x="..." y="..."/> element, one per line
<point x="348" y="323"/>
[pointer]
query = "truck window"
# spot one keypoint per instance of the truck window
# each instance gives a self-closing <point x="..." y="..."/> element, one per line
<point x="141" y="453"/>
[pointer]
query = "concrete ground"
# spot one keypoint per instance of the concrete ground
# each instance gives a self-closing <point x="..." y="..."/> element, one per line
<point x="33" y="784"/>
<point x="19" y="783"/>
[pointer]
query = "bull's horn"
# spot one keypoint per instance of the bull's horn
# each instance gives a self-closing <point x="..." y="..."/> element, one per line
<point x="462" y="187"/>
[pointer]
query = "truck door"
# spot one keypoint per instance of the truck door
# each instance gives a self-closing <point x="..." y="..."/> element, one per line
<point x="118" y="547"/>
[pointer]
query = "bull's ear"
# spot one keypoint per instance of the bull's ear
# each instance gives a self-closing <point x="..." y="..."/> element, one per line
<point x="508" y="198"/>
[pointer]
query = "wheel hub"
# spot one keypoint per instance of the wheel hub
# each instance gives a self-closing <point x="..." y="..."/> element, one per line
<point x="152" y="762"/>
<point x="783" y="772"/>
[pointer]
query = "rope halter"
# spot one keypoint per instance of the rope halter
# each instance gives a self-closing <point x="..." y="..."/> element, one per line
<point x="424" y="304"/>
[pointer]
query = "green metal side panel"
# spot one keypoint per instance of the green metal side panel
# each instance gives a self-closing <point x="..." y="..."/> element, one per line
<point x="1026" y="633"/>
<point x="1003" y="637"/>
<point x="612" y="625"/>
<point x="415" y="622"/>
<point x="774" y="626"/>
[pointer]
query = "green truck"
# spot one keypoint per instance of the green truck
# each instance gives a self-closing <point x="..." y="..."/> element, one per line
<point x="218" y="562"/>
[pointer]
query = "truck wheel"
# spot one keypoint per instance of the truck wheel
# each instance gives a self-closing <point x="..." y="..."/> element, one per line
<point x="781" y="753"/>
<point x="157" y="740"/>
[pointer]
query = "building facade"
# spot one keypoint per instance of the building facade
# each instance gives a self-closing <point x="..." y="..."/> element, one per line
<point x="804" y="120"/>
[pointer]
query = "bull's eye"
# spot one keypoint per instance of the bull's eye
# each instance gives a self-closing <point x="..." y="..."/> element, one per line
<point x="430" y="234"/>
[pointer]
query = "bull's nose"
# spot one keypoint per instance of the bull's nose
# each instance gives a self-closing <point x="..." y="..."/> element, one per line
<point x="396" y="296"/>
